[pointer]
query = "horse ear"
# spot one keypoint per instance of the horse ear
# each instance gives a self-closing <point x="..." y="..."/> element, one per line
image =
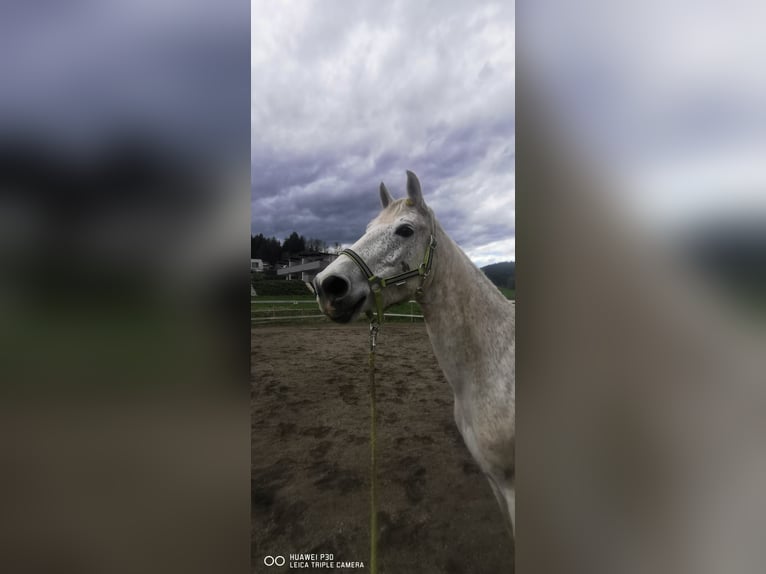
<point x="414" y="195"/>
<point x="385" y="197"/>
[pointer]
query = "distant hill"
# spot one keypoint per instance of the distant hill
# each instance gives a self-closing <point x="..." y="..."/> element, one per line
<point x="502" y="274"/>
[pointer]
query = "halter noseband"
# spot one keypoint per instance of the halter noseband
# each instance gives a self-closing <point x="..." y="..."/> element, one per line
<point x="377" y="284"/>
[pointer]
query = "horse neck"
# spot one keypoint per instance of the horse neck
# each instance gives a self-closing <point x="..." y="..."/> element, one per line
<point x="461" y="306"/>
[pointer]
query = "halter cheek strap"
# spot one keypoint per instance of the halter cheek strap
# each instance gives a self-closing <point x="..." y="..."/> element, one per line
<point x="377" y="284"/>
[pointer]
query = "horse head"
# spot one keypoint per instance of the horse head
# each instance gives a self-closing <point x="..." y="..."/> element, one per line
<point x="387" y="265"/>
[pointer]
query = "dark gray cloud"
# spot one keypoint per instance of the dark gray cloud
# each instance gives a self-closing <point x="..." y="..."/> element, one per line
<point x="345" y="95"/>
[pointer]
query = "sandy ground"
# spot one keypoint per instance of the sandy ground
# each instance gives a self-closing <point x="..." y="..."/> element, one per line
<point x="310" y="456"/>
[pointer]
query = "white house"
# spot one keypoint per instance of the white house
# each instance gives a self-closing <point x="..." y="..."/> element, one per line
<point x="306" y="268"/>
<point x="256" y="265"/>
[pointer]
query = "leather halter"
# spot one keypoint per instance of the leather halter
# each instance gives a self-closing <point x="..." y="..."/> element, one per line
<point x="377" y="284"/>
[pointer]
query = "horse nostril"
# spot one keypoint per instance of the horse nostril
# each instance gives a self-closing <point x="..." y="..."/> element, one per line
<point x="335" y="286"/>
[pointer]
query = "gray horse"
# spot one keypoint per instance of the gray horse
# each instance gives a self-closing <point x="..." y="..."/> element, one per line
<point x="405" y="253"/>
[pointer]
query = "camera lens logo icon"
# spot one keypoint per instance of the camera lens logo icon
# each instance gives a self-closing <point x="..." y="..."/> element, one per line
<point x="274" y="561"/>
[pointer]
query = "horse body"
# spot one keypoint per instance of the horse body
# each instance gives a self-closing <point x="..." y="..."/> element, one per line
<point x="471" y="327"/>
<point x="469" y="321"/>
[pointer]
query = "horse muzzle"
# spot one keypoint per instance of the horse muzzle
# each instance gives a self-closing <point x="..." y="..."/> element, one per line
<point x="337" y="299"/>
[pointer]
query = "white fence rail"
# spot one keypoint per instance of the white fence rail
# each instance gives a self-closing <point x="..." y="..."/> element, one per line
<point x="260" y="316"/>
<point x="286" y="302"/>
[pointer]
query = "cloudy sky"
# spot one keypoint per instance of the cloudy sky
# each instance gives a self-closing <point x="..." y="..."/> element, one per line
<point x="348" y="94"/>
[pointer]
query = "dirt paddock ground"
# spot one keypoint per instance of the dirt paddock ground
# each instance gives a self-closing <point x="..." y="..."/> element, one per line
<point x="310" y="456"/>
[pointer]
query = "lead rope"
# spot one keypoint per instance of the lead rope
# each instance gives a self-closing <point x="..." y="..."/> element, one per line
<point x="376" y="286"/>
<point x="374" y="325"/>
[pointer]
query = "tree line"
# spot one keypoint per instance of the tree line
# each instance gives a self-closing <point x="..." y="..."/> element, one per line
<point x="271" y="250"/>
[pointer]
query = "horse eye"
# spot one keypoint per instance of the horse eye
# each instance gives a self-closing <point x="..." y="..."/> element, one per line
<point x="404" y="230"/>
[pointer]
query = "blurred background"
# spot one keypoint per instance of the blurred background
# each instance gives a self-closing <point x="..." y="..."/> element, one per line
<point x="124" y="186"/>
<point x="641" y="287"/>
<point x="666" y="103"/>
